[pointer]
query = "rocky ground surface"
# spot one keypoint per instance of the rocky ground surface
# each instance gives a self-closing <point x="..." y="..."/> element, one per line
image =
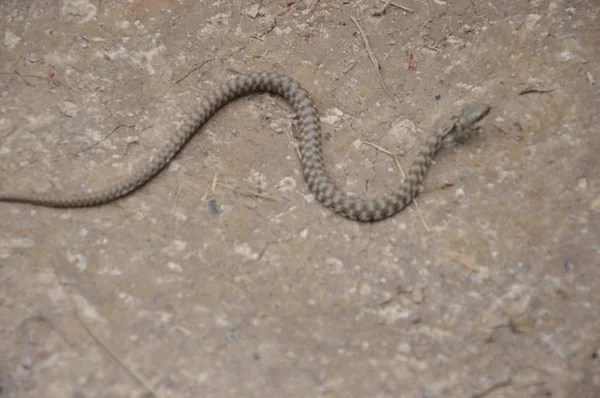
<point x="223" y="277"/>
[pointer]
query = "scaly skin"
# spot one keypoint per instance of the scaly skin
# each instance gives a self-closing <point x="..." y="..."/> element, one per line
<point x="315" y="174"/>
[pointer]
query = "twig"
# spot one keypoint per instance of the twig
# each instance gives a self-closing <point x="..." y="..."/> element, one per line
<point x="106" y="137"/>
<point x="214" y="184"/>
<point x="381" y="11"/>
<point x="464" y="260"/>
<point x="249" y="192"/>
<point x="349" y="68"/>
<point x="33" y="76"/>
<point x="534" y="90"/>
<point x="398" y="5"/>
<point x="293" y="143"/>
<point x="403" y="176"/>
<point x="373" y="60"/>
<point x="175" y="196"/>
<point x="138" y="377"/>
<point x="380" y="149"/>
<point x="533" y="383"/>
<point x="212" y="188"/>
<point x="495" y="386"/>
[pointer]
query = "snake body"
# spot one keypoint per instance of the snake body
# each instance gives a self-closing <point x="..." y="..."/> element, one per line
<point x="311" y="156"/>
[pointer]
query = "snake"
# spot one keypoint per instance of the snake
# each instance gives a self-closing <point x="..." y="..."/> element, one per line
<point x="456" y="129"/>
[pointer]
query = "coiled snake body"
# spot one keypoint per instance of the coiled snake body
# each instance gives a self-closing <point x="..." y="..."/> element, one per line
<point x="315" y="174"/>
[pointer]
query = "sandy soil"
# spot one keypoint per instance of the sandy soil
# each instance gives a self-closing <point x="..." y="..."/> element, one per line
<point x="223" y="277"/>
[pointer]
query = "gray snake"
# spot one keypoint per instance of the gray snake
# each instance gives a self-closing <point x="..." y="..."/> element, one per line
<point x="456" y="128"/>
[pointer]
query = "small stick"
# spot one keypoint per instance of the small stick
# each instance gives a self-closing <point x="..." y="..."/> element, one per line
<point x="495" y="386"/>
<point x="380" y="149"/>
<point x="373" y="60"/>
<point x="212" y="188"/>
<point x="398" y="5"/>
<point x="381" y="11"/>
<point x="249" y="192"/>
<point x="349" y="68"/>
<point x="293" y="143"/>
<point x="214" y="184"/>
<point x="111" y="353"/>
<point x="403" y="176"/>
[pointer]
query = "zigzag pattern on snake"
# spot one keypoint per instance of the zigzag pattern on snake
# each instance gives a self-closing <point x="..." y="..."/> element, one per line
<point x="320" y="184"/>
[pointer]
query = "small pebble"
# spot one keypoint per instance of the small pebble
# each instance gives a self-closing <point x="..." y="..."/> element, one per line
<point x="252" y="11"/>
<point x="414" y="318"/>
<point x="569" y="267"/>
<point x="175" y="267"/>
<point x="212" y="205"/>
<point x="316" y="22"/>
<point x="32" y="57"/>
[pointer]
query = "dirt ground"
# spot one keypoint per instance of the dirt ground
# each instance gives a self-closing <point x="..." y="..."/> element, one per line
<point x="223" y="277"/>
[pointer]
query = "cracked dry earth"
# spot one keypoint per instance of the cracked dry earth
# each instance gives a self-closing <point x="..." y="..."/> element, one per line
<point x="223" y="277"/>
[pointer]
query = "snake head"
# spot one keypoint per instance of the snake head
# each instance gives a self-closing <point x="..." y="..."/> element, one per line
<point x="464" y="124"/>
